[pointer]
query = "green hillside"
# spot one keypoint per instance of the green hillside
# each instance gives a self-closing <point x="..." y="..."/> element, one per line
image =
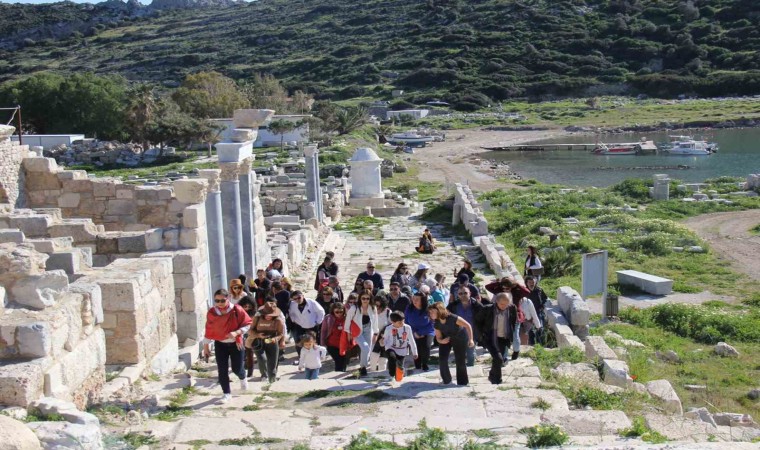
<point x="468" y="52"/>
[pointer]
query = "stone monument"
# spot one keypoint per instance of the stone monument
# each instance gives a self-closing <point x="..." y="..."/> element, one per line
<point x="366" y="187"/>
<point x="661" y="190"/>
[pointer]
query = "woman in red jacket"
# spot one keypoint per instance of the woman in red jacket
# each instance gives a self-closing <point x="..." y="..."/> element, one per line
<point x="331" y="334"/>
<point x="225" y="326"/>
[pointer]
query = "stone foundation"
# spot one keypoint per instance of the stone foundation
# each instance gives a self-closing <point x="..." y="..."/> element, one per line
<point x="11" y="176"/>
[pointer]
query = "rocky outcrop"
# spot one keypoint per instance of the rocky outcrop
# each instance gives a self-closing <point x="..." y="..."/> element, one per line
<point x="189" y="4"/>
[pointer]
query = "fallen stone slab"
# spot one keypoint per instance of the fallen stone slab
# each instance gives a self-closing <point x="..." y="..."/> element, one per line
<point x="701" y="414"/>
<point x="679" y="428"/>
<point x="616" y="373"/>
<point x="597" y="348"/>
<point x="734" y="420"/>
<point x="663" y="391"/>
<point x="213" y="429"/>
<point x="579" y="372"/>
<point x="589" y="423"/>
<point x="65" y="435"/>
<point x="650" y="284"/>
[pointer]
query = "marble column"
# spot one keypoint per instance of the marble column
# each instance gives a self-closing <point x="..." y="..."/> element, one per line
<point x="232" y="218"/>
<point x="246" y="211"/>
<point x="313" y="189"/>
<point x="214" y="229"/>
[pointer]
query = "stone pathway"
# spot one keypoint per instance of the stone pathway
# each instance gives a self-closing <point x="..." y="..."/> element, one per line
<point x="326" y="413"/>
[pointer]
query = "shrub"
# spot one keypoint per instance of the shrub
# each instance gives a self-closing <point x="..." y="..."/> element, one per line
<point x="640" y="429"/>
<point x="633" y="188"/>
<point x="559" y="263"/>
<point x="545" y="435"/>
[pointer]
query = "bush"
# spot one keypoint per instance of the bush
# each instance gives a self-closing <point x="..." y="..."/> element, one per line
<point x="559" y="263"/>
<point x="640" y="429"/>
<point x="545" y="435"/>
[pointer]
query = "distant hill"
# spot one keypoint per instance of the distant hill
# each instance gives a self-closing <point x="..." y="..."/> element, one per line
<point x="470" y="52"/>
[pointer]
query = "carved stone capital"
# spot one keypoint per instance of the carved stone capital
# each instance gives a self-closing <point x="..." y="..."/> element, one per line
<point x="231" y="171"/>
<point x="213" y="176"/>
<point x="246" y="164"/>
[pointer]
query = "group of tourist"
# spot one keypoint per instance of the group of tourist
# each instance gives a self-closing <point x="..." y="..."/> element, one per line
<point x="252" y="321"/>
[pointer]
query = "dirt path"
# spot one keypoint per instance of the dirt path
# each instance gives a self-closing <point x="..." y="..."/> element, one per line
<point x="451" y="161"/>
<point x="728" y="234"/>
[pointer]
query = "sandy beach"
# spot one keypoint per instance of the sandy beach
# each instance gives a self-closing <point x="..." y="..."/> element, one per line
<point x="456" y="160"/>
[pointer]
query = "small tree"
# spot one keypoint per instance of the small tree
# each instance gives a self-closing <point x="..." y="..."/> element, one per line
<point x="265" y="92"/>
<point x="206" y="95"/>
<point x="140" y="114"/>
<point x="349" y="119"/>
<point x="281" y="127"/>
<point x="592" y="103"/>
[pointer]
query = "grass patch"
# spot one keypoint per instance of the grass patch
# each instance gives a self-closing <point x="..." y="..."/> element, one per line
<point x="182" y="396"/>
<point x="37" y="416"/>
<point x="376" y="395"/>
<point x="582" y="396"/>
<point x="136" y="440"/>
<point x="254" y="407"/>
<point x="198" y="443"/>
<point x="541" y="404"/>
<point x="548" y="359"/>
<point x="172" y="413"/>
<point x="157" y="170"/>
<point x="545" y="435"/>
<point x="323" y="393"/>
<point x="755" y="229"/>
<point x="254" y="439"/>
<point x="639" y="429"/>
<point x="365" y="441"/>
<point x="105" y="413"/>
<point x="368" y="227"/>
<point x="484" y="433"/>
<point x="280" y="394"/>
<point x="154" y="377"/>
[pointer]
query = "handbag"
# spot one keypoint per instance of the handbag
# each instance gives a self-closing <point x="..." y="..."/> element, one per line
<point x="537" y="272"/>
<point x="257" y="345"/>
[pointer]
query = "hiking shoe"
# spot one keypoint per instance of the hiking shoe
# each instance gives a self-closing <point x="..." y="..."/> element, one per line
<point x="226" y="398"/>
<point x="244" y="384"/>
<point x="515" y="355"/>
<point x="363" y="372"/>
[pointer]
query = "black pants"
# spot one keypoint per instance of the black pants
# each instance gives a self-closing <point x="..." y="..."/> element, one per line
<point x="460" y="357"/>
<point x="249" y="362"/>
<point x="228" y="356"/>
<point x="267" y="356"/>
<point x="497" y="357"/>
<point x="340" y="361"/>
<point x="298" y="333"/>
<point x="394" y="361"/>
<point x="423" y="348"/>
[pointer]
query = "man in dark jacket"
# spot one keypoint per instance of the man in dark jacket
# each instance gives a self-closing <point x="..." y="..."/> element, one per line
<point x="463" y="281"/>
<point x="468" y="309"/>
<point x="496" y="324"/>
<point x="397" y="301"/>
<point x="374" y="277"/>
<point x="538" y="297"/>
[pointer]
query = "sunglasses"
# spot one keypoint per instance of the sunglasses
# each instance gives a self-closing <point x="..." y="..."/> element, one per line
<point x="236" y="288"/>
<point x="220" y="300"/>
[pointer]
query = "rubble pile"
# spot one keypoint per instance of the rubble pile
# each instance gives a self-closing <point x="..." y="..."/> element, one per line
<point x="102" y="153"/>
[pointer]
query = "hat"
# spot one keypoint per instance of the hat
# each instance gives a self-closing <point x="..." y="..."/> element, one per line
<point x="268" y="309"/>
<point x="422" y="266"/>
<point x="463" y="278"/>
<point x="235" y="282"/>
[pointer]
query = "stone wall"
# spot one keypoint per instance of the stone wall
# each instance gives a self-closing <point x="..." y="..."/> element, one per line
<point x="11" y="175"/>
<point x="51" y="341"/>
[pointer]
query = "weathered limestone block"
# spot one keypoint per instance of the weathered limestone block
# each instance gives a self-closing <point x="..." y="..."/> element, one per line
<point x="40" y="291"/>
<point x="580" y="372"/>
<point x="120" y="207"/>
<point x="6" y="131"/>
<point x="20" y="383"/>
<point x="64" y="435"/>
<point x="616" y="373"/>
<point x="80" y="230"/>
<point x="32" y="225"/>
<point x="251" y="118"/>
<point x="572" y="304"/>
<point x="12" y="236"/>
<point x="34" y="340"/>
<point x="79" y="375"/>
<point x="194" y="216"/>
<point x="723" y="349"/>
<point x="15" y="435"/>
<point x="192" y="237"/>
<point x="190" y="191"/>
<point x="50" y="406"/>
<point x="597" y="348"/>
<point x="243" y="135"/>
<point x="92" y="306"/>
<point x="132" y="243"/>
<point x="39" y="164"/>
<point x="663" y="391"/>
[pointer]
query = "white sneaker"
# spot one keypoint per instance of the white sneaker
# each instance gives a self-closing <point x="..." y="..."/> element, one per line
<point x="244" y="384"/>
<point x="226" y="398"/>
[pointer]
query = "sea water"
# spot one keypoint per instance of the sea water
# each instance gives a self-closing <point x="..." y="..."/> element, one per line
<point x="739" y="155"/>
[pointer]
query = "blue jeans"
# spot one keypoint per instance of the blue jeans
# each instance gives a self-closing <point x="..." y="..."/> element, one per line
<point x="365" y="345"/>
<point x="312" y="374"/>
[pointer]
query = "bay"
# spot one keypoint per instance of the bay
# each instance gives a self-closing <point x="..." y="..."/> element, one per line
<point x="739" y="155"/>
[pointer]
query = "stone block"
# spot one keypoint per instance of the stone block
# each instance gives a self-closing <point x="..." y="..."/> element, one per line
<point x="39" y="164"/>
<point x="663" y="391"/>
<point x="132" y="244"/>
<point x="125" y="192"/>
<point x="723" y="349"/>
<point x="186" y="261"/>
<point x="11" y="236"/>
<point x="34" y="340"/>
<point x="40" y="291"/>
<point x="171" y="238"/>
<point x="104" y="188"/>
<point x="20" y="383"/>
<point x="251" y="118"/>
<point x="154" y="239"/>
<point x="118" y="295"/>
<point x="243" y="134"/>
<point x="234" y="152"/>
<point x="616" y="373"/>
<point x="32" y="225"/>
<point x="191" y="237"/>
<point x="648" y="283"/>
<point x="92" y="295"/>
<point x="107" y="244"/>
<point x="120" y="207"/>
<point x="14" y="434"/>
<point x="573" y="306"/>
<point x="597" y="348"/>
<point x="67" y="260"/>
<point x="191" y="191"/>
<point x="166" y="359"/>
<point x="80" y="230"/>
<point x="194" y="216"/>
<point x="60" y="435"/>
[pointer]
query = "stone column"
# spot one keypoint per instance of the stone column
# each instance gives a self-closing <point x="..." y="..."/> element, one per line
<point x="232" y="218"/>
<point x="246" y="211"/>
<point x="214" y="228"/>
<point x="313" y="189"/>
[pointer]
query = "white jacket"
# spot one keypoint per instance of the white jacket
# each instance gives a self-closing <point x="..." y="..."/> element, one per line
<point x="311" y="316"/>
<point x="526" y="305"/>
<point x="354" y="314"/>
<point x="400" y="340"/>
<point x="311" y="358"/>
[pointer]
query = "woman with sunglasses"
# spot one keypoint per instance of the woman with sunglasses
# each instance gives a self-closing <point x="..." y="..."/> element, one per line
<point x="331" y="334"/>
<point x="364" y="316"/>
<point x="401" y="275"/>
<point x="237" y="290"/>
<point x="327" y="297"/>
<point x="226" y="323"/>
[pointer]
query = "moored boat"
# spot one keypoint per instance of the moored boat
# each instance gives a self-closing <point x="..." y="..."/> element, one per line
<point x="411" y="137"/>
<point x="687" y="145"/>
<point x="615" y="149"/>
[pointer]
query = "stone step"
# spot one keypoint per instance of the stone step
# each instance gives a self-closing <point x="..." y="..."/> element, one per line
<point x="51" y="245"/>
<point x="32" y="224"/>
<point x="11" y="235"/>
<point x="82" y="231"/>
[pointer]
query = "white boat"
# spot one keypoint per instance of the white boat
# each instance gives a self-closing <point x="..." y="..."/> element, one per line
<point x="687" y="145"/>
<point x="411" y="137"/>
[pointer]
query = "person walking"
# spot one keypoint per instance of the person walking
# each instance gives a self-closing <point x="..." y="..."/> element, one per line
<point x="275" y="269"/>
<point x="401" y="275"/>
<point x="452" y="333"/>
<point x="262" y="287"/>
<point x="533" y="264"/>
<point x="539" y="298"/>
<point x="363" y="317"/>
<point x="496" y="324"/>
<point x="396" y="300"/>
<point x="372" y="275"/>
<point x="334" y="284"/>
<point x="419" y="276"/>
<point x="377" y="359"/>
<point x="436" y="295"/>
<point x="467" y="309"/>
<point x="226" y="323"/>
<point x="311" y="356"/>
<point x="422" y="328"/>
<point x="250" y="308"/>
<point x="527" y="320"/>
<point x="399" y="343"/>
<point x="332" y="332"/>
<point x="237" y="290"/>
<point x="327" y="297"/>
<point x="305" y="315"/>
<point x="267" y="339"/>
<point x="325" y="270"/>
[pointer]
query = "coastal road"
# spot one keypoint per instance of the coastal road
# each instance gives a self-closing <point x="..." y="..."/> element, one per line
<point x="728" y="234"/>
<point x="452" y="161"/>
